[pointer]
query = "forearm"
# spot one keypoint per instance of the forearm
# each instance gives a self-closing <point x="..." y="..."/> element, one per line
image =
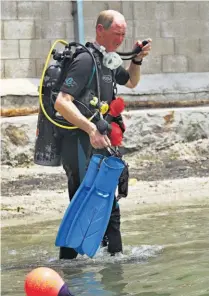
<point x="134" y="70"/>
<point x="134" y="73"/>
<point x="65" y="106"/>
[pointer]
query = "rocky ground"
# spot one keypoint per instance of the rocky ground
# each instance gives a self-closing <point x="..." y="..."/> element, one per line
<point x="181" y="160"/>
<point x="181" y="172"/>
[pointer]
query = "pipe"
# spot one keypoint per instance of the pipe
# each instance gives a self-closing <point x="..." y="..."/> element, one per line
<point x="80" y="21"/>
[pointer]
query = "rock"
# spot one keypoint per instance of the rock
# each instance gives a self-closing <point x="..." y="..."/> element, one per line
<point x="162" y="128"/>
<point x="147" y="131"/>
<point x="18" y="139"/>
<point x="16" y="135"/>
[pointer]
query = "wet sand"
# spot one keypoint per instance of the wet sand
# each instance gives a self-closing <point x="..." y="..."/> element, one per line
<point x="35" y="193"/>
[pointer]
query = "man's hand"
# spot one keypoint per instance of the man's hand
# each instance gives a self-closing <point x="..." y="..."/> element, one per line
<point x="145" y="49"/>
<point x="97" y="140"/>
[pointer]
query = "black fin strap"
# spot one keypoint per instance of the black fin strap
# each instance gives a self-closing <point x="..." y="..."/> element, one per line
<point x="64" y="291"/>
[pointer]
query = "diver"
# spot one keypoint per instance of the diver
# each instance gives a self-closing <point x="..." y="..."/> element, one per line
<point x="77" y="145"/>
<point x="80" y="85"/>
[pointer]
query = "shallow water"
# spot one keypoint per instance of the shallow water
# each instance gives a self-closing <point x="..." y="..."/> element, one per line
<point x="166" y="252"/>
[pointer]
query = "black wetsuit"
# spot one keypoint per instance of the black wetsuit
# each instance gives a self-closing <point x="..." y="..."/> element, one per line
<point x="76" y="148"/>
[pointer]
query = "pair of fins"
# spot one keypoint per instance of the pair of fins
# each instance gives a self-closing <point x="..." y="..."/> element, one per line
<point x="86" y="218"/>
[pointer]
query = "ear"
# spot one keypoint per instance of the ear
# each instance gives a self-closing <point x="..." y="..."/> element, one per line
<point x="99" y="28"/>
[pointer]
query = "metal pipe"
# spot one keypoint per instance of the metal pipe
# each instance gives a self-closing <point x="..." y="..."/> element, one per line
<point x="80" y="21"/>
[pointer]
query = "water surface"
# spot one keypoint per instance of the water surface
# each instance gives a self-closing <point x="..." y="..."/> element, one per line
<point x="166" y="252"/>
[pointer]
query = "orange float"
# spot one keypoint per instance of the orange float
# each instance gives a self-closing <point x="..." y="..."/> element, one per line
<point x="44" y="281"/>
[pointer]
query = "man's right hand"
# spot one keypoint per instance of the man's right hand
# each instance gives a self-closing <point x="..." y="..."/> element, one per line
<point x="97" y="140"/>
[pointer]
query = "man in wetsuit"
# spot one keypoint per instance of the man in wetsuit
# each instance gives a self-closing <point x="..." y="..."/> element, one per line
<point x="77" y="145"/>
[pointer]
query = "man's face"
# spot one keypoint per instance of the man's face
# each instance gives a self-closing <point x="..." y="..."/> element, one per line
<point x="113" y="37"/>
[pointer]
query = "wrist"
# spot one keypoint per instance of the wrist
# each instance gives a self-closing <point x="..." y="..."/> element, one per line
<point x="91" y="129"/>
<point x="135" y="62"/>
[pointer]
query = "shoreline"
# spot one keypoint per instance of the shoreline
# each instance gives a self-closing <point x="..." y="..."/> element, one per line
<point x="39" y="204"/>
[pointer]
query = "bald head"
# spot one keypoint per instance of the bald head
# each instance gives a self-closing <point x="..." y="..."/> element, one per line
<point x="107" y="17"/>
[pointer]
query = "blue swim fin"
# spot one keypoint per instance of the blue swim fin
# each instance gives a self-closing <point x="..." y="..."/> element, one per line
<point x="81" y="193"/>
<point x="91" y="220"/>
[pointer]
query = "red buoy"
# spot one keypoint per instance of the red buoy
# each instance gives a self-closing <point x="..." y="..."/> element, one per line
<point x="43" y="281"/>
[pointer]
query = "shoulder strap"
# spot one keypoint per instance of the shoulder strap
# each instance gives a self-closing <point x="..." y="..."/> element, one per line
<point x="91" y="77"/>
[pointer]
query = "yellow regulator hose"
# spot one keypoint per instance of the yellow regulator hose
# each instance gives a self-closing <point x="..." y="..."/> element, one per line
<point x="41" y="86"/>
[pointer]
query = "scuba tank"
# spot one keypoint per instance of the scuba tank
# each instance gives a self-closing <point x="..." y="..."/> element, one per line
<point x="48" y="143"/>
<point x="48" y="139"/>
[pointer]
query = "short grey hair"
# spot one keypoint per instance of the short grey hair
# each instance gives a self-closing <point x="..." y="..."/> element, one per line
<point x="105" y="18"/>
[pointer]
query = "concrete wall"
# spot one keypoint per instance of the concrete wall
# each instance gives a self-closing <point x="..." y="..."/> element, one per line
<point x="180" y="33"/>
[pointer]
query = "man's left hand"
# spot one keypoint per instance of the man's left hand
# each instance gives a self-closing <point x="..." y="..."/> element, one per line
<point x="145" y="49"/>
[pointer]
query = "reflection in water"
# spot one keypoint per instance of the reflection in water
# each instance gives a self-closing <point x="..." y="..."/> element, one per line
<point x="166" y="253"/>
<point x="112" y="276"/>
<point x="85" y="283"/>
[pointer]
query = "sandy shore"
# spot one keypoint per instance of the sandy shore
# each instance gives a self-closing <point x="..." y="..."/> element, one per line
<point x="37" y="193"/>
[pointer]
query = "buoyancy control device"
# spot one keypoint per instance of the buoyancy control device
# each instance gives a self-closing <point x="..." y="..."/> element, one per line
<point x="48" y="138"/>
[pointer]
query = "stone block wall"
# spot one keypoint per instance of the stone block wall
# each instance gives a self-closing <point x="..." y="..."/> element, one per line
<point x="29" y="28"/>
<point x="180" y="33"/>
